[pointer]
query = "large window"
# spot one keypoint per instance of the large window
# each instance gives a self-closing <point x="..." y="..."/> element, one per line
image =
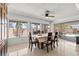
<point x="45" y="28"/>
<point x="23" y="30"/>
<point x="35" y="28"/>
<point x="17" y="29"/>
<point x="39" y="28"/>
<point x="63" y="28"/>
<point x="12" y="30"/>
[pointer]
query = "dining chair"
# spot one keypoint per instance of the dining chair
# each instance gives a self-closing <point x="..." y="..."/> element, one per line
<point x="48" y="42"/>
<point x="56" y="39"/>
<point x="32" y="41"/>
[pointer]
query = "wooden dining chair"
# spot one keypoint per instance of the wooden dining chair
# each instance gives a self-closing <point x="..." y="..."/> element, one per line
<point x="56" y="39"/>
<point x="48" y="42"/>
<point x="32" y="41"/>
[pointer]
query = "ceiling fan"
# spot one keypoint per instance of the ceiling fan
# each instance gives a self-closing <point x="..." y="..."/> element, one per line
<point x="47" y="14"/>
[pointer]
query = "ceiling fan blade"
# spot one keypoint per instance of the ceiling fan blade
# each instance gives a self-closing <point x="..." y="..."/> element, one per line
<point x="51" y="16"/>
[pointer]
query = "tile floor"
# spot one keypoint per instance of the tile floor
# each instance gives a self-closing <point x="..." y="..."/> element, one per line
<point x="65" y="48"/>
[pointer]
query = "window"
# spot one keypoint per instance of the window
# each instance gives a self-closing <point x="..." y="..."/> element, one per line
<point x="12" y="30"/>
<point x="39" y="28"/>
<point x="23" y="30"/>
<point x="35" y="28"/>
<point x="45" y="28"/>
<point x="17" y="29"/>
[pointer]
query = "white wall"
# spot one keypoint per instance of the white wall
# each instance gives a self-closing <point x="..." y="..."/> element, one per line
<point x="73" y="18"/>
<point x="51" y="26"/>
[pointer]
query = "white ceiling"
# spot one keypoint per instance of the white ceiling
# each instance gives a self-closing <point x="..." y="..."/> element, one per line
<point x="36" y="10"/>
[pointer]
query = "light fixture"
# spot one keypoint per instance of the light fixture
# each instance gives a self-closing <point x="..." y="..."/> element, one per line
<point x="47" y="14"/>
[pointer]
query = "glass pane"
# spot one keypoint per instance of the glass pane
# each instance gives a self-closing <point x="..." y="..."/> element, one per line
<point x="12" y="25"/>
<point x="45" y="28"/>
<point x="12" y="30"/>
<point x="23" y="30"/>
<point x="33" y="27"/>
<point x="24" y="25"/>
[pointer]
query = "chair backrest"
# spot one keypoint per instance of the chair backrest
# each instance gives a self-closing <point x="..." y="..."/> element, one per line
<point x="30" y="37"/>
<point x="49" y="36"/>
<point x="56" y="35"/>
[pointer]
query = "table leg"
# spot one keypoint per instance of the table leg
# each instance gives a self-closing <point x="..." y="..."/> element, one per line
<point x="41" y="45"/>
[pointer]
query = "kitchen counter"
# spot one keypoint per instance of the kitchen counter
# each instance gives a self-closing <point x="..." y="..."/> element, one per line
<point x="70" y="37"/>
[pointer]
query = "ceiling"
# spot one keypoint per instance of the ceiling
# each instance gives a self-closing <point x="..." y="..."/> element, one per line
<point x="37" y="10"/>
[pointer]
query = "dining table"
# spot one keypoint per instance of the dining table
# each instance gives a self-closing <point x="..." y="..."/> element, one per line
<point x="41" y="38"/>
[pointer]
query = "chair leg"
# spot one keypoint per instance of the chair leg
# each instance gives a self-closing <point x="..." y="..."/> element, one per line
<point x="35" y="44"/>
<point x="41" y="45"/>
<point x="54" y="44"/>
<point x="47" y="49"/>
<point x="51" y="46"/>
<point x="38" y="45"/>
<point x="57" y="43"/>
<point x="31" y="46"/>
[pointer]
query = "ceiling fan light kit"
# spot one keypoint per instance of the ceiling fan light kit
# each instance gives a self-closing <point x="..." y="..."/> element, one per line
<point x="47" y="14"/>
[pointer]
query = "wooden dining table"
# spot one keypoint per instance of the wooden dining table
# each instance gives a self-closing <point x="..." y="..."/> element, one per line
<point x="41" y="38"/>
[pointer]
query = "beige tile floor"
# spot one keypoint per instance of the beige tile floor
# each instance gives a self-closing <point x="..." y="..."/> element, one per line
<point x="65" y="48"/>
